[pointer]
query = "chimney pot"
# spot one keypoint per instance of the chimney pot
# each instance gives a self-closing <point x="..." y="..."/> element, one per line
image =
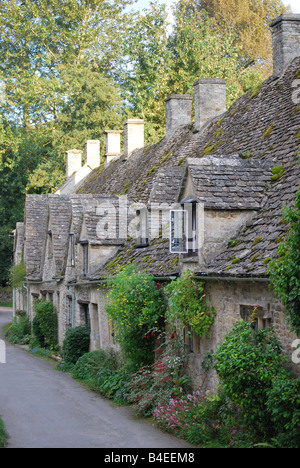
<point x="133" y="136"/>
<point x="73" y="161"/>
<point x="92" y="153"/>
<point x="210" y="100"/>
<point x="178" y="112"/>
<point x="286" y="41"/>
<point x="113" y="145"/>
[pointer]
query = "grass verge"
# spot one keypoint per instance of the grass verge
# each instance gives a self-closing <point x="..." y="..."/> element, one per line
<point x="3" y="435"/>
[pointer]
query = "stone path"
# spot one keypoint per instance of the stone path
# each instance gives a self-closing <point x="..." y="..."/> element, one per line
<point x="44" y="408"/>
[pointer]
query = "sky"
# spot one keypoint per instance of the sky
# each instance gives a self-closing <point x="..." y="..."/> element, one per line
<point x="295" y="4"/>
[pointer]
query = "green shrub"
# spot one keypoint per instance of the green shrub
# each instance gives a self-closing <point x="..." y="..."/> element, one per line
<point x="39" y="336"/>
<point x="247" y="363"/>
<point x="76" y="343"/>
<point x="17" y="275"/>
<point x="135" y="307"/>
<point x="89" y="364"/>
<point x="284" y="271"/>
<point x="19" y="331"/>
<point x="99" y="369"/>
<point x="284" y="405"/>
<point x="45" y="325"/>
<point x="3" y="435"/>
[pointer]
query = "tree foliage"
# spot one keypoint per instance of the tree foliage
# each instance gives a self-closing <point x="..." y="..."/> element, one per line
<point x="250" y="22"/>
<point x="164" y="60"/>
<point x="247" y="363"/>
<point x="70" y="69"/>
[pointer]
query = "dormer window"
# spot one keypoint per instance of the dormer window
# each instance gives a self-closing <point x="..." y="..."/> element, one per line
<point x="183" y="229"/>
<point x="85" y="256"/>
<point x="143" y="232"/>
<point x="50" y="245"/>
<point x="192" y="228"/>
<point x="72" y="249"/>
<point x="178" y="231"/>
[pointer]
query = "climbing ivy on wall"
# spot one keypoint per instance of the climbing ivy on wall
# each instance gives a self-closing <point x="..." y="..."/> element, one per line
<point x="284" y="272"/>
<point x="187" y="303"/>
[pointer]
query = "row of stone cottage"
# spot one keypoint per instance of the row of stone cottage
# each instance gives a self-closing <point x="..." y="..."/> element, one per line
<point x="203" y="198"/>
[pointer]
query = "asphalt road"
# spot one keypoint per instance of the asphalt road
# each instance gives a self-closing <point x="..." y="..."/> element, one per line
<point x="44" y="408"/>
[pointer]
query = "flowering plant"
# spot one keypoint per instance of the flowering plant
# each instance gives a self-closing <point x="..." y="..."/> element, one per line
<point x="161" y="381"/>
<point x="135" y="308"/>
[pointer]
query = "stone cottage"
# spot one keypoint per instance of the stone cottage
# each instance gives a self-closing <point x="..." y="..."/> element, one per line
<point x="203" y="198"/>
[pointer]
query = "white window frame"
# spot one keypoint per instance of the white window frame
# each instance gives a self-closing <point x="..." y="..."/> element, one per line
<point x="184" y="229"/>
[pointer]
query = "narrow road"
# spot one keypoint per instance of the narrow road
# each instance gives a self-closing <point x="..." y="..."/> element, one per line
<point x="44" y="408"/>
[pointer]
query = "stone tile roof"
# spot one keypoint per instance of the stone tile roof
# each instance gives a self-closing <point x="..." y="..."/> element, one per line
<point x="36" y="229"/>
<point x="166" y="185"/>
<point x="263" y="127"/>
<point x="59" y="225"/>
<point x="223" y="182"/>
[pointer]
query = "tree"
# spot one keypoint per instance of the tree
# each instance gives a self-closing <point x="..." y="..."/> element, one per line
<point x="56" y="62"/>
<point x="146" y="68"/>
<point x="164" y="61"/>
<point x="250" y="22"/>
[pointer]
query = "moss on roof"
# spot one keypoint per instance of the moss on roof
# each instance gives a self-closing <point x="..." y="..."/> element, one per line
<point x="262" y="126"/>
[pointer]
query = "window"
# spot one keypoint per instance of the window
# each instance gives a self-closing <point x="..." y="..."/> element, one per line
<point x="191" y="340"/>
<point x="178" y="231"/>
<point x="50" y="245"/>
<point x="257" y="316"/>
<point x="85" y="315"/>
<point x="183" y="226"/>
<point x="85" y="256"/>
<point x="143" y="236"/>
<point x="95" y="325"/>
<point x="192" y="228"/>
<point x="72" y="249"/>
<point x="70" y="311"/>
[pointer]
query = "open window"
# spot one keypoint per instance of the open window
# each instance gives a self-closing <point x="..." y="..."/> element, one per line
<point x="191" y="207"/>
<point x="183" y="229"/>
<point x="178" y="231"/>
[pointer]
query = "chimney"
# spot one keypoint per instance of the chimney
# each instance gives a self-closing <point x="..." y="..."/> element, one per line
<point x="210" y="100"/>
<point x="113" y="145"/>
<point x="92" y="153"/>
<point x="286" y="41"/>
<point x="133" y="136"/>
<point x="178" y="112"/>
<point x="73" y="161"/>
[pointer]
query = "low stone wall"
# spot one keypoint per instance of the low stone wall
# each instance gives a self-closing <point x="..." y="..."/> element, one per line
<point x="6" y="294"/>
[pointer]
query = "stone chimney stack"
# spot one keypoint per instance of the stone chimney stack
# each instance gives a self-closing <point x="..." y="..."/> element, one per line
<point x="178" y="112"/>
<point x="210" y="100"/>
<point x="73" y="161"/>
<point x="113" y="145"/>
<point x="286" y="41"/>
<point x="133" y="136"/>
<point x="92" y="153"/>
